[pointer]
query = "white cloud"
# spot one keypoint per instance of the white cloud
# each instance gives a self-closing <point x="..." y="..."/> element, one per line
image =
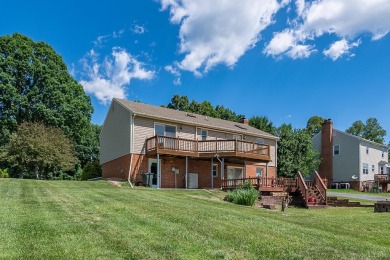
<point x="219" y="31"/>
<point x="175" y="72"/>
<point x="347" y="19"/>
<point x="138" y="29"/>
<point x="109" y="78"/>
<point x="340" y="48"/>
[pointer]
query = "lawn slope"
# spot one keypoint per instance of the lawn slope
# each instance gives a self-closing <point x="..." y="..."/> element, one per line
<point x="80" y="220"/>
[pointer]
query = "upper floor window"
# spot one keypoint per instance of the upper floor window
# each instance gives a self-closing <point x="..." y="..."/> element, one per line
<point x="367" y="149"/>
<point x="203" y="134"/>
<point x="260" y="141"/>
<point x="336" y="149"/>
<point x="237" y="137"/>
<point x="165" y="130"/>
<point x="365" y="168"/>
<point x="383" y="153"/>
<point x="382" y="170"/>
<point x="373" y="168"/>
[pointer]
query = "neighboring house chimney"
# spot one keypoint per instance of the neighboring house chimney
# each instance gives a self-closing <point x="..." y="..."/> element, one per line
<point x="244" y="121"/>
<point x="326" y="165"/>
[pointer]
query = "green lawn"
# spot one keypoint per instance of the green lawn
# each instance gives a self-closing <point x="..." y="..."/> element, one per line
<point x="350" y="191"/>
<point x="96" y="220"/>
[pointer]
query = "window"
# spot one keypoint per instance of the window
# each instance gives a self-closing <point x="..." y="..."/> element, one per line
<point x="234" y="172"/>
<point x="203" y="133"/>
<point x="165" y="130"/>
<point x="373" y="168"/>
<point x="336" y="149"/>
<point x="237" y="137"/>
<point x="260" y="141"/>
<point x="215" y="170"/>
<point x="367" y="149"/>
<point x="382" y="169"/>
<point x="259" y="172"/>
<point x="365" y="168"/>
<point x="383" y="153"/>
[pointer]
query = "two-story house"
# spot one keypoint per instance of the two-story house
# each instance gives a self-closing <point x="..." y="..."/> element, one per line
<point x="167" y="148"/>
<point x="346" y="158"/>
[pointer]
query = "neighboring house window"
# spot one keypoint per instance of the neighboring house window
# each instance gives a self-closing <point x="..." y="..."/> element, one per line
<point x="383" y="153"/>
<point x="373" y="168"/>
<point x="365" y="168"/>
<point x="165" y="130"/>
<point x="382" y="169"/>
<point x="215" y="170"/>
<point x="203" y="133"/>
<point x="259" y="172"/>
<point x="367" y="149"/>
<point x="336" y="149"/>
<point x="260" y="141"/>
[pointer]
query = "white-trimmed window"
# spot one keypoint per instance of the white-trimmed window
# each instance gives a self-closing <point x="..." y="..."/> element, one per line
<point x="373" y="168"/>
<point x="383" y="153"/>
<point x="367" y="149"/>
<point x="215" y="170"/>
<point x="336" y="149"/>
<point x="234" y="172"/>
<point x="237" y="137"/>
<point x="165" y="130"/>
<point x="365" y="168"/>
<point x="382" y="169"/>
<point x="260" y="141"/>
<point x="203" y="134"/>
<point x="259" y="172"/>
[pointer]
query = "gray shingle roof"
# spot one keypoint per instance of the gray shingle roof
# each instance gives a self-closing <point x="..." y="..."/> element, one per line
<point x="191" y="118"/>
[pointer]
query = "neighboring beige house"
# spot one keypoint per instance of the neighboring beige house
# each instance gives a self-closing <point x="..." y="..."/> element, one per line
<point x="168" y="148"/>
<point x="346" y="158"/>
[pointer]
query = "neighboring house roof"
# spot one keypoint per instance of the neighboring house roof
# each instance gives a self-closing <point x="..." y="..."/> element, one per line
<point x="356" y="137"/>
<point x="172" y="115"/>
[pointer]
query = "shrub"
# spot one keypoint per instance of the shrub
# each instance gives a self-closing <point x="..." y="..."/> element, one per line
<point x="91" y="170"/>
<point x="245" y="195"/>
<point x="4" y="173"/>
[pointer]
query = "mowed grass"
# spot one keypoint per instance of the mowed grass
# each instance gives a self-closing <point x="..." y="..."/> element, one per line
<point x="96" y="220"/>
<point x="350" y="191"/>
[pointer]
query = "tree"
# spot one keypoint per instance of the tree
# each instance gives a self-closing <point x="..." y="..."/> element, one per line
<point x="262" y="123"/>
<point x="91" y="170"/>
<point x="371" y="130"/>
<point x="314" y="125"/>
<point x="35" y="86"/>
<point x="356" y="128"/>
<point x="39" y="149"/>
<point x="295" y="152"/>
<point x="179" y="103"/>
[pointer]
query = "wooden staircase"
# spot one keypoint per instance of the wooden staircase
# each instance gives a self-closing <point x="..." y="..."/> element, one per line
<point x="313" y="193"/>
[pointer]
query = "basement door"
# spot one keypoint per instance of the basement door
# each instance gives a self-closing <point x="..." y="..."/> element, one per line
<point x="152" y="169"/>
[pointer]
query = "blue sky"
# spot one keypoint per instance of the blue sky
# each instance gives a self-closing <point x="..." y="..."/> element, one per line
<point x="285" y="59"/>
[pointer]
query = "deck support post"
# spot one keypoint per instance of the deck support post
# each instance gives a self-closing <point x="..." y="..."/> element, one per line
<point x="244" y="168"/>
<point x="186" y="172"/>
<point x="266" y="173"/>
<point x="158" y="171"/>
<point x="211" y="173"/>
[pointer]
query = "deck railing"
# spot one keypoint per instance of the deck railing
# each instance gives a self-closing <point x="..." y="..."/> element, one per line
<point x="320" y="185"/>
<point x="288" y="184"/>
<point x="382" y="178"/>
<point x="206" y="147"/>
<point x="302" y="187"/>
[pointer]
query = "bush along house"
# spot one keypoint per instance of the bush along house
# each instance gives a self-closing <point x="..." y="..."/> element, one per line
<point x="165" y="148"/>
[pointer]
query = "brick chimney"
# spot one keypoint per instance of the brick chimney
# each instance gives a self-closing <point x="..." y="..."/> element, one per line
<point x="326" y="165"/>
<point x="244" y="121"/>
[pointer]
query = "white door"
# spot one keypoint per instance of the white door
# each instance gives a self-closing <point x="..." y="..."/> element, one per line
<point x="152" y="169"/>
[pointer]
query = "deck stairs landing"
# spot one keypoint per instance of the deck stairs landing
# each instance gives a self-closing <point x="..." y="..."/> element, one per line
<point x="313" y="193"/>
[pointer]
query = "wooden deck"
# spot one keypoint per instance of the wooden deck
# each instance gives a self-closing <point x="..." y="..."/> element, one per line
<point x="263" y="184"/>
<point x="207" y="149"/>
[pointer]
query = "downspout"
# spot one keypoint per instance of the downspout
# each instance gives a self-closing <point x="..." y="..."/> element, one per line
<point x="131" y="149"/>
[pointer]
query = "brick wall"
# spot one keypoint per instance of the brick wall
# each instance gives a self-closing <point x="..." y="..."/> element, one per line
<point x="326" y="165"/>
<point x="119" y="168"/>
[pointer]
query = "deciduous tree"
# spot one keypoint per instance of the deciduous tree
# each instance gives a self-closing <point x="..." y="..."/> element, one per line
<point x="371" y="130"/>
<point x="314" y="125"/>
<point x="262" y="123"/>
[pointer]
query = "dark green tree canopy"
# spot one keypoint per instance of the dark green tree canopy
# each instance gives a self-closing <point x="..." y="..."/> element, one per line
<point x="35" y="86"/>
<point x="314" y="125"/>
<point x="262" y="123"/>
<point x="295" y="152"/>
<point x="371" y="130"/>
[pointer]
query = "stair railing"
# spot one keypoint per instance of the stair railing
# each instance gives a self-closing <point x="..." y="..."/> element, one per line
<point x="302" y="187"/>
<point x="320" y="186"/>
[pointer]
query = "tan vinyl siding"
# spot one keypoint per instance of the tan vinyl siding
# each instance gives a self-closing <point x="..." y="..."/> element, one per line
<point x="144" y="129"/>
<point x="346" y="164"/>
<point x="115" y="135"/>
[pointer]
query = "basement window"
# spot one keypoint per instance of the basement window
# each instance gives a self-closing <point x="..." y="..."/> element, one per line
<point x="336" y="149"/>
